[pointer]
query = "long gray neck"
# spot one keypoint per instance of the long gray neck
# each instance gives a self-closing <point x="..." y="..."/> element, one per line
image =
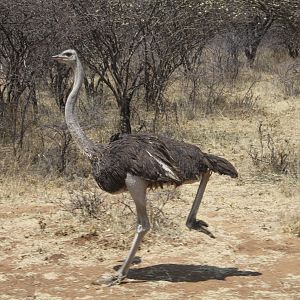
<point x="84" y="143"/>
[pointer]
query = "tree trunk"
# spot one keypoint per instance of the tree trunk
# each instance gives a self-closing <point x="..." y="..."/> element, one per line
<point x="125" y="126"/>
<point x="250" y="52"/>
<point x="256" y="32"/>
<point x="293" y="51"/>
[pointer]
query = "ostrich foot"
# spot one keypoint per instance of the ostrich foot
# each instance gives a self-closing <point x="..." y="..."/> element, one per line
<point x="201" y="226"/>
<point x="110" y="280"/>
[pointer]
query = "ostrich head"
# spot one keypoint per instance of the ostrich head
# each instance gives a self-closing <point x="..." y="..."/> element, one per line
<point x="68" y="57"/>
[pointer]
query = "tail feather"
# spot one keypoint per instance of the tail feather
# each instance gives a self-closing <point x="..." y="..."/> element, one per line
<point x="220" y="165"/>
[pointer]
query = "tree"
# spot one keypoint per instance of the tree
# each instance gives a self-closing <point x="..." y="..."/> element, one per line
<point x="18" y="88"/>
<point x="256" y="17"/>
<point x="137" y="45"/>
<point x="109" y="36"/>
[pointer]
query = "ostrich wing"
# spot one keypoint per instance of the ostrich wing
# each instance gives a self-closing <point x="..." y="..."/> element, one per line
<point x="190" y="160"/>
<point x="140" y="155"/>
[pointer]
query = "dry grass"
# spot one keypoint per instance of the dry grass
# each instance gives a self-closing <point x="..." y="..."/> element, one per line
<point x="59" y="232"/>
<point x="89" y="203"/>
<point x="67" y="232"/>
<point x="273" y="152"/>
<point x="223" y="120"/>
<point x="291" y="224"/>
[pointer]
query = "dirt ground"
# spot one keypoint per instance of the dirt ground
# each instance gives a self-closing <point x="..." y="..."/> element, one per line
<point x="48" y="253"/>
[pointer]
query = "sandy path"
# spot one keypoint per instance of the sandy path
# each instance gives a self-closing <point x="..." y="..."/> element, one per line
<point x="251" y="258"/>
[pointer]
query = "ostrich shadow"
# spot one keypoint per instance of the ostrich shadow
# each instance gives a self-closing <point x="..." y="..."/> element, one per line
<point x="185" y="273"/>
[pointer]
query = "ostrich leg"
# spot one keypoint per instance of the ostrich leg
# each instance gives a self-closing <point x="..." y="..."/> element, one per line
<point x="137" y="189"/>
<point x="192" y="222"/>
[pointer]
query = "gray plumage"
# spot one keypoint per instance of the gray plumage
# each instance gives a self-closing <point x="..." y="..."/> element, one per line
<point x="144" y="156"/>
<point x="189" y="159"/>
<point x="136" y="162"/>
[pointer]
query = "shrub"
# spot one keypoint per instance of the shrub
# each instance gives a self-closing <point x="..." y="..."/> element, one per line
<point x="273" y="153"/>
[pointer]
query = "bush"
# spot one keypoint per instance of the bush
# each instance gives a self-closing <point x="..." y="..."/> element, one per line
<point x="291" y="225"/>
<point x="276" y="154"/>
<point x="116" y="211"/>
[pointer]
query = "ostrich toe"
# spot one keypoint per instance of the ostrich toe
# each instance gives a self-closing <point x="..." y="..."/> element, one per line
<point x="110" y="280"/>
<point x="201" y="226"/>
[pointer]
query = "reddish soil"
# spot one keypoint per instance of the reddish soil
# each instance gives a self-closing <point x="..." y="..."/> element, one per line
<point x="46" y="253"/>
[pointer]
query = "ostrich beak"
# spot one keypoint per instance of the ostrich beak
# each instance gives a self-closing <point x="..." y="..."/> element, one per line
<point x="57" y="57"/>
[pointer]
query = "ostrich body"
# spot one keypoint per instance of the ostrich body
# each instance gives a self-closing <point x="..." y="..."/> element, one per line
<point x="135" y="162"/>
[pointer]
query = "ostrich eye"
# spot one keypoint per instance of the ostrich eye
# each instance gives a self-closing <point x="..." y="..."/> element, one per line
<point x="68" y="54"/>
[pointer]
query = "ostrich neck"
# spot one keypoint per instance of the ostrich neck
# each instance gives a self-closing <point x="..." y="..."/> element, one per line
<point x="81" y="139"/>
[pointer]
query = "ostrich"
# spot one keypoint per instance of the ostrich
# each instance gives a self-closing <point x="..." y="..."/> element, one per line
<point x="135" y="162"/>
